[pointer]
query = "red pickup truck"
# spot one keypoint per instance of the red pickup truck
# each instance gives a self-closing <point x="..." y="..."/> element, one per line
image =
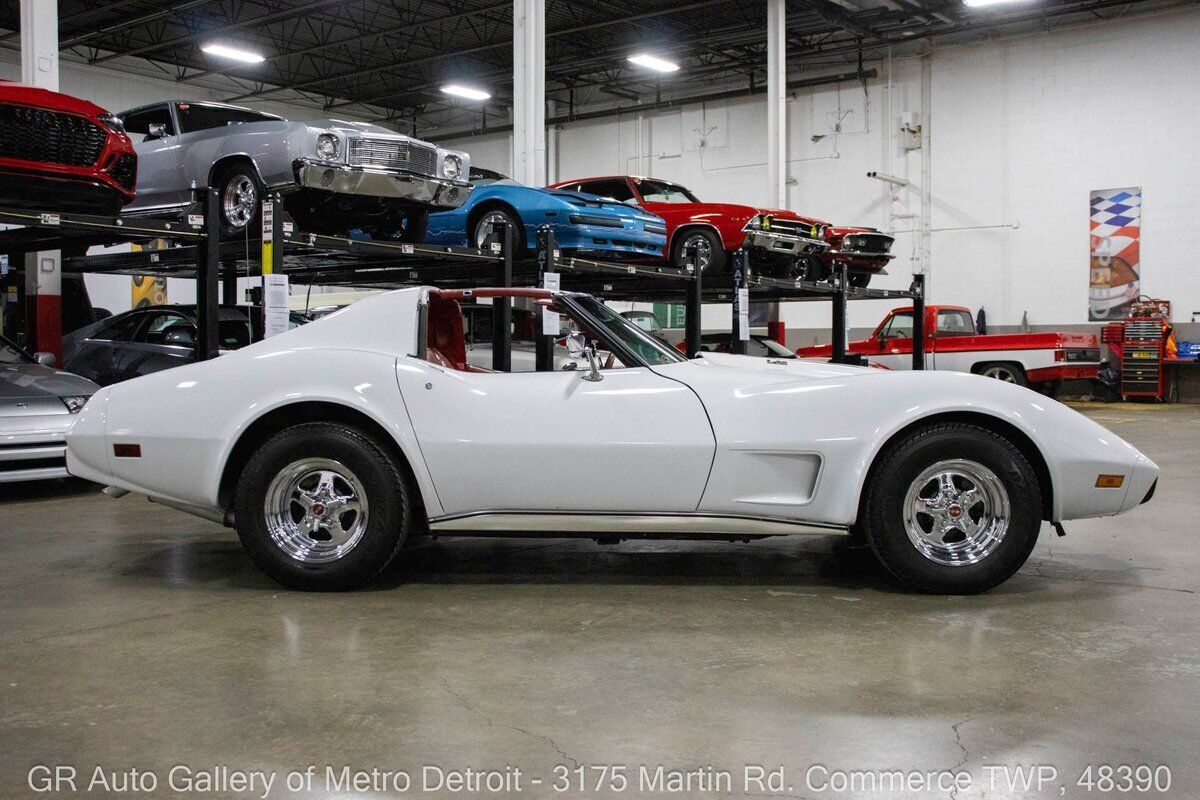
<point x="951" y="343"/>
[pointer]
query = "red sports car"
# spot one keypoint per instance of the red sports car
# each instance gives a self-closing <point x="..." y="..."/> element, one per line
<point x="783" y="244"/>
<point x="865" y="252"/>
<point x="60" y="153"/>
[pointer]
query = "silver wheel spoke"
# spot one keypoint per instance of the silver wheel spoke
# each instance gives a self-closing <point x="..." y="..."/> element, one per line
<point x="334" y="506"/>
<point x="965" y="521"/>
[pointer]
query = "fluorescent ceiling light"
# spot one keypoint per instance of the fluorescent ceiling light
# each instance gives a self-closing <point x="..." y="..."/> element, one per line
<point x="654" y="62"/>
<point x="468" y="92"/>
<point x="233" y="53"/>
<point x="974" y="3"/>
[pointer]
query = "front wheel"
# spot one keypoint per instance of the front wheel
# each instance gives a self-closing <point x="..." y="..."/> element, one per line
<point x="321" y="506"/>
<point x="240" y="195"/>
<point x="952" y="509"/>
<point x="482" y="234"/>
<point x="710" y="252"/>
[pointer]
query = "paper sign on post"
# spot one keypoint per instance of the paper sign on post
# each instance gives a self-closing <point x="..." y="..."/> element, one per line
<point x="275" y="304"/>
<point x="744" y="314"/>
<point x="550" y="319"/>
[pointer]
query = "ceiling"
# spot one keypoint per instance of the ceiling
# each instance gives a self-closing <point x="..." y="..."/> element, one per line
<point x="386" y="59"/>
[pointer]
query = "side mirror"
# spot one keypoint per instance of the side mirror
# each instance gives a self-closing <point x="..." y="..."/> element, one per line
<point x="576" y="344"/>
<point x="577" y="347"/>
<point x="157" y="130"/>
<point x="45" y="359"/>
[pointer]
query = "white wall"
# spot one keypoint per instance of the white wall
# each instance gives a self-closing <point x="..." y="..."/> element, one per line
<point x="1021" y="131"/>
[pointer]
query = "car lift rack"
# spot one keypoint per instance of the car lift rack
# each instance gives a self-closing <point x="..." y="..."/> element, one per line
<point x="308" y="258"/>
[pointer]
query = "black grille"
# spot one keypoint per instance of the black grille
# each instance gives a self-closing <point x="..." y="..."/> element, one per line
<point x="867" y="243"/>
<point x="124" y="171"/>
<point x="34" y="134"/>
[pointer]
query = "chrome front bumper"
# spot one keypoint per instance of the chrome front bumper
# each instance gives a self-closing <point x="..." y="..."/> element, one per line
<point x="34" y="448"/>
<point x="860" y="254"/>
<point x="785" y="243"/>
<point x="387" y="184"/>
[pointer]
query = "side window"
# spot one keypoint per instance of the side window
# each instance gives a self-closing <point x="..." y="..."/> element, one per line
<point x="955" y="323"/>
<point x="614" y="189"/>
<point x="139" y="122"/>
<point x="899" y="326"/>
<point x="121" y="330"/>
<point x="169" y="328"/>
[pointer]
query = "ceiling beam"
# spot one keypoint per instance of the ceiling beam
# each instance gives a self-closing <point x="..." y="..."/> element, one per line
<point x="131" y="22"/>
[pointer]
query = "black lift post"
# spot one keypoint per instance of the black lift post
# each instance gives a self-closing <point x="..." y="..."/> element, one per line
<point x="918" y="296"/>
<point x="695" y="301"/>
<point x="839" y="315"/>
<point x="208" y="273"/>
<point x="502" y="306"/>
<point x="739" y="266"/>
<point x="547" y="261"/>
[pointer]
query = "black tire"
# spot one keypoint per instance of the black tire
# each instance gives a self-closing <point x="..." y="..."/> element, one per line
<point x="718" y="258"/>
<point x="416" y="223"/>
<point x="882" y="517"/>
<point x="860" y="280"/>
<point x="226" y="182"/>
<point x="386" y="492"/>
<point x="480" y="236"/>
<point x="1003" y="371"/>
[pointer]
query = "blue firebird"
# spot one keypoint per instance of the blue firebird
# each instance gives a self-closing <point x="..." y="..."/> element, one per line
<point x="581" y="222"/>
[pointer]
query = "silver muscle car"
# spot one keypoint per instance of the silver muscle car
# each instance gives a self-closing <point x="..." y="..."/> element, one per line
<point x="37" y="406"/>
<point x="337" y="176"/>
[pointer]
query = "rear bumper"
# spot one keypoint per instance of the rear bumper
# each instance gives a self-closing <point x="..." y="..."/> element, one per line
<point x="34" y="448"/>
<point x="1064" y="372"/>
<point x="385" y="184"/>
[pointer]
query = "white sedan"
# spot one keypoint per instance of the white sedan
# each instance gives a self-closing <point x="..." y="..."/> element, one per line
<point x="328" y="445"/>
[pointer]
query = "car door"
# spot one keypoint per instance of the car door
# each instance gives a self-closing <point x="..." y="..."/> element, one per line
<point x="893" y="346"/>
<point x="99" y="355"/>
<point x="160" y="160"/>
<point x="633" y="441"/>
<point x="167" y="339"/>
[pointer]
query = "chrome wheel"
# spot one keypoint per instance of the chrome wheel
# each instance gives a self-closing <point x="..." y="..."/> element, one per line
<point x="1000" y="373"/>
<point x="316" y="510"/>
<point x="704" y="251"/>
<point x="483" y="229"/>
<point x="956" y="512"/>
<point x="239" y="200"/>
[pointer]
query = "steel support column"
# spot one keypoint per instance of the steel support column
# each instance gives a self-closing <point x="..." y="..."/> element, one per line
<point x="502" y="306"/>
<point x="776" y="104"/>
<point x="529" y="92"/>
<point x="43" y="271"/>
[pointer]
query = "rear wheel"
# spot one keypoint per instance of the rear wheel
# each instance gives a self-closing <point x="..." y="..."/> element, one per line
<point x="860" y="280"/>
<point x="321" y="506"/>
<point x="710" y="252"/>
<point x="482" y="235"/>
<point x="1003" y="371"/>
<point x="952" y="509"/>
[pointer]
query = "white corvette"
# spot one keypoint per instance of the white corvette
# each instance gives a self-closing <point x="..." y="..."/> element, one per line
<point x="326" y="446"/>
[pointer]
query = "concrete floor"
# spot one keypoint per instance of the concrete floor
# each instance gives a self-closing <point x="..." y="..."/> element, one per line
<point x="133" y="636"/>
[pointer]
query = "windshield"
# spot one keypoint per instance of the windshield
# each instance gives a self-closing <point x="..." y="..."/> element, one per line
<point x="644" y="320"/>
<point x="11" y="354"/>
<point x="662" y="192"/>
<point x="645" y="346"/>
<point x="486" y="177"/>
<point x="194" y="117"/>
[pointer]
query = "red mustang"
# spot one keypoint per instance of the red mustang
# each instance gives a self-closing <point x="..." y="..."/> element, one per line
<point x="783" y="244"/>
<point x="58" y="152"/>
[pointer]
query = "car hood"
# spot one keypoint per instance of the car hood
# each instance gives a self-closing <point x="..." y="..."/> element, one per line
<point x="35" y="382"/>
<point x="728" y="211"/>
<point x="771" y="369"/>
<point x="44" y="98"/>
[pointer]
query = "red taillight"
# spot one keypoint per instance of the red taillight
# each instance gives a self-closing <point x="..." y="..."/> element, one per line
<point x="127" y="450"/>
<point x="1060" y="355"/>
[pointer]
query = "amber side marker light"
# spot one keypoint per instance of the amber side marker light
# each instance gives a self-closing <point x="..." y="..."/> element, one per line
<point x="1110" y="481"/>
<point x="127" y="450"/>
